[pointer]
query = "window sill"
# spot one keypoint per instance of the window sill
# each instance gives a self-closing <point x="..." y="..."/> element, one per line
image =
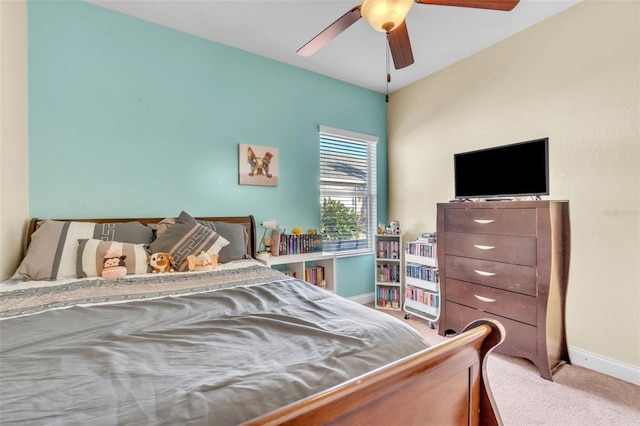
<point x="353" y="253"/>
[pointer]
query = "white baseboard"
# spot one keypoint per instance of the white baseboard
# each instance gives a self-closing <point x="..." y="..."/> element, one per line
<point x="579" y="357"/>
<point x="608" y="366"/>
<point x="363" y="299"/>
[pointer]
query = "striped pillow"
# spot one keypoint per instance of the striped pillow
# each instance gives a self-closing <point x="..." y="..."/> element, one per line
<point x="91" y="257"/>
<point x="53" y="250"/>
<point x="236" y="234"/>
<point x="187" y="237"/>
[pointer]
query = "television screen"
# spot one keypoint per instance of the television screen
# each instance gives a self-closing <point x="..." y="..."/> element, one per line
<point x="515" y="170"/>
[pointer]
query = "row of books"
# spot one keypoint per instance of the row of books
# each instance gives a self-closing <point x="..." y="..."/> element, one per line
<point x="422" y="272"/>
<point x="388" y="249"/>
<point x="388" y="296"/>
<point x="388" y="273"/>
<point x="421" y="249"/>
<point x="315" y="275"/>
<point x="285" y="244"/>
<point x="423" y="296"/>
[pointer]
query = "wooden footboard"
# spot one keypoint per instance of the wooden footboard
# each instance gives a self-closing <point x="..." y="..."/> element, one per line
<point x="445" y="384"/>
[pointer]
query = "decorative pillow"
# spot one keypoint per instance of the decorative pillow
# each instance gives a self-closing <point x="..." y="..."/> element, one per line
<point x="162" y="226"/>
<point x="91" y="257"/>
<point x="237" y="236"/>
<point x="54" y="246"/>
<point x="126" y="232"/>
<point x="187" y="237"/>
<point x="235" y="233"/>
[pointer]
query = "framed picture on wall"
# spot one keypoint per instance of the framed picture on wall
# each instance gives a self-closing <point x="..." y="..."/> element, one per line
<point x="258" y="165"/>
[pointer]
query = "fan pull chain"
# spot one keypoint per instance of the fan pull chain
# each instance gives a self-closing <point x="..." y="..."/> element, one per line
<point x="388" y="73"/>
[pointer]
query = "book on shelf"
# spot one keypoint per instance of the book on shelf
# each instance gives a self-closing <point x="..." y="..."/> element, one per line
<point x="388" y="273"/>
<point x="275" y="242"/>
<point x="289" y="244"/>
<point x="422" y="272"/>
<point x="388" y="297"/>
<point x="421" y="249"/>
<point x="388" y="249"/>
<point x="425" y="297"/>
<point x="315" y="275"/>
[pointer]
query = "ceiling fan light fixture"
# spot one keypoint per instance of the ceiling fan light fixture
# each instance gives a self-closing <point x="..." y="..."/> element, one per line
<point x="385" y="15"/>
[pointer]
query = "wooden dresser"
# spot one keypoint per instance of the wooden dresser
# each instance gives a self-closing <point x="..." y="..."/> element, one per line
<point x="507" y="260"/>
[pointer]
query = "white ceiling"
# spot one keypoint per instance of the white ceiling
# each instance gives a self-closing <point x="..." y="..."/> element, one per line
<point x="440" y="35"/>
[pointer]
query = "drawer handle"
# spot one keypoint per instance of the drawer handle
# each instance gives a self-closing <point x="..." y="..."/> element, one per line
<point x="481" y="247"/>
<point x="483" y="273"/>
<point x="484" y="299"/>
<point x="483" y="221"/>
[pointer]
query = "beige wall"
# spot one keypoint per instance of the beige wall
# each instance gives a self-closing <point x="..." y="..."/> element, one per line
<point x="14" y="197"/>
<point x="574" y="78"/>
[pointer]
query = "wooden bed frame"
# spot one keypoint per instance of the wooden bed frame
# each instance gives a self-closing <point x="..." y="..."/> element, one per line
<point x="443" y="384"/>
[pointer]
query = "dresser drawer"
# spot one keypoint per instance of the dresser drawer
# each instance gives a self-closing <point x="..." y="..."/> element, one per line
<point x="500" y="302"/>
<point x="520" y="339"/>
<point x="517" y="278"/>
<point x="501" y="248"/>
<point x="518" y="222"/>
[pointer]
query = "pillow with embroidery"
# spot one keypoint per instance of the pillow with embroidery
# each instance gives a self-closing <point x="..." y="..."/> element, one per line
<point x="187" y="237"/>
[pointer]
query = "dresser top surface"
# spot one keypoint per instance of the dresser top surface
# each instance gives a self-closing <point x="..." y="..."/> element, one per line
<point x="507" y="204"/>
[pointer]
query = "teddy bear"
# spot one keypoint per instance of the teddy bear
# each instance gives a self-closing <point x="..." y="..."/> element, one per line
<point x="161" y="262"/>
<point x="202" y="262"/>
<point x="113" y="266"/>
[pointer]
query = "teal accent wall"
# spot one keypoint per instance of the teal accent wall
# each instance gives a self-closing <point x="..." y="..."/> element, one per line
<point x="355" y="275"/>
<point x="132" y="119"/>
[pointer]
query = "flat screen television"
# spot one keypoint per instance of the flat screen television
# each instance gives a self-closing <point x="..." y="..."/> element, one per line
<point x="506" y="171"/>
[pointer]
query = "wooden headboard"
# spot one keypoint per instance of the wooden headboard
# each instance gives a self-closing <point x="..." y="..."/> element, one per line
<point x="247" y="221"/>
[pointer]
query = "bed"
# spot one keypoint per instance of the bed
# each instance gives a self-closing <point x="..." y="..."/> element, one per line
<point x="239" y="344"/>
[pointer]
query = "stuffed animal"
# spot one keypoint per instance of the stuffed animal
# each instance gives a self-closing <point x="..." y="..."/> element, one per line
<point x="113" y="266"/>
<point x="161" y="262"/>
<point x="202" y="262"/>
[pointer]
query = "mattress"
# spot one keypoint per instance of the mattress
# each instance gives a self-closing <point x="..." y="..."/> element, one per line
<point x="217" y="347"/>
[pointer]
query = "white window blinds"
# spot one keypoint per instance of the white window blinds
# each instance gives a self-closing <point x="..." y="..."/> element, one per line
<point x="347" y="189"/>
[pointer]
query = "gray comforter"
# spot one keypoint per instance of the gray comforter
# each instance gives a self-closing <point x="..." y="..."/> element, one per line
<point x="212" y="348"/>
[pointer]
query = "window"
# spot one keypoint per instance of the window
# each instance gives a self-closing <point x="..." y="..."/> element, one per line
<point x="348" y="192"/>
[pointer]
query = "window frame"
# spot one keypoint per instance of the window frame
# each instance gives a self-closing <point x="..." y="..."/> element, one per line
<point x="371" y="187"/>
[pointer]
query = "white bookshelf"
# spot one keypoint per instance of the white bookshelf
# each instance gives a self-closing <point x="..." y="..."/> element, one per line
<point x="297" y="263"/>
<point x="422" y="287"/>
<point x="388" y="271"/>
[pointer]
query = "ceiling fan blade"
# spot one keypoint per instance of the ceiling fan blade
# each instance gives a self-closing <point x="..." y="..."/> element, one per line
<point x="331" y="32"/>
<point x="505" y="5"/>
<point x="400" y="46"/>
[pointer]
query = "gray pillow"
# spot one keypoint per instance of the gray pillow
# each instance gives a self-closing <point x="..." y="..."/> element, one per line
<point x="124" y="232"/>
<point x="235" y="233"/>
<point x="54" y="246"/>
<point x="187" y="237"/>
<point x="237" y="236"/>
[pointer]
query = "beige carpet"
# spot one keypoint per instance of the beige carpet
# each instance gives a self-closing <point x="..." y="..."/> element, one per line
<point x="577" y="396"/>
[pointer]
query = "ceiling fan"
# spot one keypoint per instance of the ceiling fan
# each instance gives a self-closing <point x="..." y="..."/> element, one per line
<point x="388" y="16"/>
